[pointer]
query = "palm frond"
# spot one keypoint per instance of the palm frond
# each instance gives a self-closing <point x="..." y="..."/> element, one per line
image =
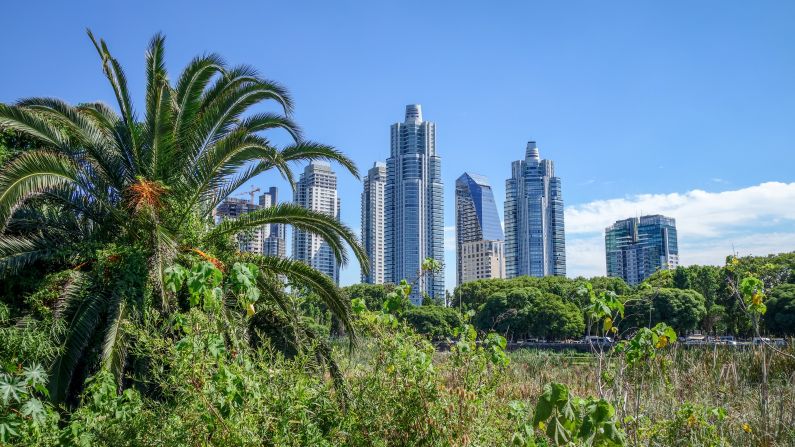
<point x="218" y="173"/>
<point x="187" y="97"/>
<point x="114" y="351"/>
<point x="83" y="321"/>
<point x="335" y="233"/>
<point x="112" y="125"/>
<point x="71" y="293"/>
<point x="118" y="81"/>
<point x="30" y="174"/>
<point x="26" y="122"/>
<point x="309" y="151"/>
<point x="18" y="252"/>
<point x="267" y="121"/>
<point x="158" y="134"/>
<point x="301" y="274"/>
<point x="221" y="116"/>
<point x="86" y="134"/>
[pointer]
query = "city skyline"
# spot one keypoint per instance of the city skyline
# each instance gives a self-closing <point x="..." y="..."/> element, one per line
<point x="695" y="125"/>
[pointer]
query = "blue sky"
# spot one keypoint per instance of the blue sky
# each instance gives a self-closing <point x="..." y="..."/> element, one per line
<point x="678" y="107"/>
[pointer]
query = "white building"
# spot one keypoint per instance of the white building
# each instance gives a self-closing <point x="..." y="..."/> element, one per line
<point x="250" y="241"/>
<point x="373" y="222"/>
<point x="317" y="190"/>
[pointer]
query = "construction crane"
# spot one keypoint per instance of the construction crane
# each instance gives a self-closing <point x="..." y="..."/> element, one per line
<point x="254" y="190"/>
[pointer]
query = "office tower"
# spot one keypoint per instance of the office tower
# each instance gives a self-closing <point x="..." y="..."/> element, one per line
<point x="414" y="205"/>
<point x="316" y="190"/>
<point x="231" y="208"/>
<point x="478" y="234"/>
<point x="535" y="242"/>
<point x="274" y="239"/>
<point x="637" y="247"/>
<point x="373" y="222"/>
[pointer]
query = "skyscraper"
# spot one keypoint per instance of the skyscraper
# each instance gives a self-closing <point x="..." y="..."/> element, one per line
<point x="414" y="205"/>
<point x="373" y="222"/>
<point x="637" y="247"/>
<point x="535" y="241"/>
<point x="232" y="208"/>
<point x="478" y="234"/>
<point x="316" y="190"/>
<point x="274" y="243"/>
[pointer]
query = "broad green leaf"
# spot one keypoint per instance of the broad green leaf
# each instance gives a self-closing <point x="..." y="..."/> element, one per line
<point x="11" y="389"/>
<point x="34" y="409"/>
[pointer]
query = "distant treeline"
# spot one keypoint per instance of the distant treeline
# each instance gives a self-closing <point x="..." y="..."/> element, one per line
<point x="695" y="298"/>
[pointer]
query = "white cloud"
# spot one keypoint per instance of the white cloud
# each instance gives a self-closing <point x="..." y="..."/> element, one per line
<point x="755" y="220"/>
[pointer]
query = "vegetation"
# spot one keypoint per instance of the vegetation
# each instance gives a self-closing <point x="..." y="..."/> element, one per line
<point x="128" y="318"/>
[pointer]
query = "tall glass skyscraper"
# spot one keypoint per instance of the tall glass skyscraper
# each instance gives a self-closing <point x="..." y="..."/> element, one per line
<point x="414" y="205"/>
<point x="373" y="212"/>
<point x="637" y="247"/>
<point x="316" y="190"/>
<point x="478" y="233"/>
<point x="273" y="243"/>
<point x="535" y="242"/>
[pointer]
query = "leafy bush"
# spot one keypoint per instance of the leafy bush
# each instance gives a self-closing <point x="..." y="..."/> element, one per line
<point x="436" y="322"/>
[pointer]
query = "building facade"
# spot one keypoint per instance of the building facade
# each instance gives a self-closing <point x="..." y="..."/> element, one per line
<point x="316" y="190"/>
<point x="637" y="247"/>
<point x="535" y="242"/>
<point x="478" y="233"/>
<point x="274" y="239"/>
<point x="481" y="259"/>
<point x="249" y="241"/>
<point x="373" y="222"/>
<point x="414" y="210"/>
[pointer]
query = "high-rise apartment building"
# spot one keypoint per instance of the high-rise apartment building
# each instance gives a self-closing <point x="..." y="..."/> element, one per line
<point x="266" y="240"/>
<point x="274" y="239"/>
<point x="535" y="243"/>
<point x="373" y="222"/>
<point x="478" y="233"/>
<point x="250" y="241"/>
<point x="414" y="205"/>
<point x="637" y="247"/>
<point x="316" y="190"/>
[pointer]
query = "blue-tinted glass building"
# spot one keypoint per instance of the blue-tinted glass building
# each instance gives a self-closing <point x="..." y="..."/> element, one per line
<point x="535" y="242"/>
<point x="414" y="208"/>
<point x="476" y="219"/>
<point x="637" y="247"/>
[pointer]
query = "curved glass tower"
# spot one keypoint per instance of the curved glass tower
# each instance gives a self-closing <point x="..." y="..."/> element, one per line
<point x="478" y="233"/>
<point x="414" y="205"/>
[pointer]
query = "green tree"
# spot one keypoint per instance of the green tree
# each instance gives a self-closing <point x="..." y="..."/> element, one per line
<point x="437" y="322"/>
<point x="373" y="295"/>
<point x="527" y="311"/>
<point x="681" y="278"/>
<point x="107" y="192"/>
<point x="681" y="309"/>
<point x="780" y="316"/>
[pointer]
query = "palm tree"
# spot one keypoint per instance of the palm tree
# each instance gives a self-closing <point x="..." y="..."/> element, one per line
<point x="105" y="179"/>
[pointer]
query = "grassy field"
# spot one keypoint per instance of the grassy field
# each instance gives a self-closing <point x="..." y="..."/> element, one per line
<point x="693" y="396"/>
